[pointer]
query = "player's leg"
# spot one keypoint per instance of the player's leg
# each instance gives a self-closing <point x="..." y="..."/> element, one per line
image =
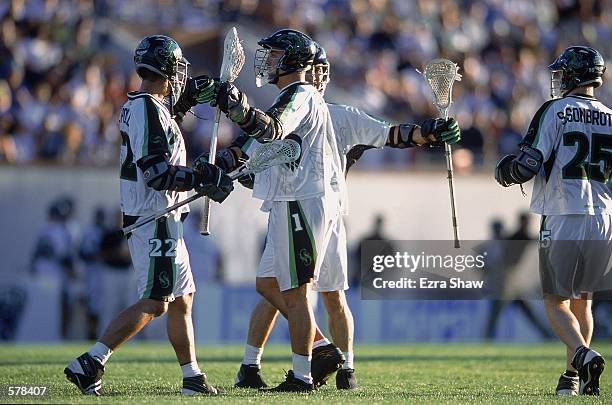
<point x="180" y="333"/>
<point x="342" y="329"/>
<point x="86" y="370"/>
<point x="568" y="384"/>
<point x="152" y="271"/>
<point x="263" y="318"/>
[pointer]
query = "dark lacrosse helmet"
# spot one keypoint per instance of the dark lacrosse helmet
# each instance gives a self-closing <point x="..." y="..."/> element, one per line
<point x="298" y="52"/>
<point x="163" y="55"/>
<point x="319" y="77"/>
<point x="576" y="66"/>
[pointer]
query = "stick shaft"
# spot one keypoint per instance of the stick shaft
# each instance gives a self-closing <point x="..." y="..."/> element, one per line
<point x="448" y="153"/>
<point x="205" y="223"/>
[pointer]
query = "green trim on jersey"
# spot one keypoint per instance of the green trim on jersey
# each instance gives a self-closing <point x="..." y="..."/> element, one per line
<point x="533" y="133"/>
<point x="147" y="293"/>
<point x="155" y="136"/>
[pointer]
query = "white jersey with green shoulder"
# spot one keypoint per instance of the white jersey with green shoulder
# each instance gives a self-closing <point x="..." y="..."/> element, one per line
<point x="147" y="128"/>
<point x="303" y="116"/>
<point x="573" y="133"/>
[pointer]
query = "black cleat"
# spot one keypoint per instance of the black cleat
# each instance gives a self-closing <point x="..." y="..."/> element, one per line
<point x="249" y="376"/>
<point x="567" y="386"/>
<point x="590" y="365"/>
<point x="198" y="385"/>
<point x="86" y="373"/>
<point x="326" y="360"/>
<point x="345" y="379"/>
<point x="292" y="384"/>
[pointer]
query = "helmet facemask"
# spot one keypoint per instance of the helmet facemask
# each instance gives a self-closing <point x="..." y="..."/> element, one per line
<point x="556" y="78"/>
<point x="178" y="80"/>
<point x="320" y="77"/>
<point x="267" y="61"/>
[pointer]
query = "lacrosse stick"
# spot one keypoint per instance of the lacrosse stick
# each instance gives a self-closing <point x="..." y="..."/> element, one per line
<point x="267" y="155"/>
<point x="233" y="60"/>
<point x="441" y="74"/>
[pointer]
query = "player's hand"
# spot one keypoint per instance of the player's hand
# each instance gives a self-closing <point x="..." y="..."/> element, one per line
<point x="214" y="183"/>
<point x="502" y="171"/>
<point x="226" y="159"/>
<point x="198" y="90"/>
<point x="437" y="130"/>
<point x="232" y="102"/>
<point x="248" y="180"/>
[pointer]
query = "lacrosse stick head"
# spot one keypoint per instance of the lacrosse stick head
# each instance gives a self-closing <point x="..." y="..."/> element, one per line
<point x="272" y="154"/>
<point x="233" y="56"/>
<point x="441" y="74"/>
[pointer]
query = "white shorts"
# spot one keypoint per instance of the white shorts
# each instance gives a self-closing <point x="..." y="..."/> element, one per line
<point x="575" y="254"/>
<point x="333" y="275"/>
<point x="160" y="259"/>
<point x="298" y="232"/>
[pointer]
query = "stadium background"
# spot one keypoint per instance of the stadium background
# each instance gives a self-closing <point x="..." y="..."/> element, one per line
<point x="65" y="67"/>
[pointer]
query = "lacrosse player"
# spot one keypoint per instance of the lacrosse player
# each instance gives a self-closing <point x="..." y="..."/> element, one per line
<point x="355" y="132"/>
<point x="567" y="151"/>
<point x="153" y="177"/>
<point x="303" y="199"/>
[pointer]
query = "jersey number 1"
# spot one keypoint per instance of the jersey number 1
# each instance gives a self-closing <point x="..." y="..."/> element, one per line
<point x="601" y="151"/>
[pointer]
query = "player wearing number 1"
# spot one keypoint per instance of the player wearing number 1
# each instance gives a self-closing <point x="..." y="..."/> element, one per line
<point x="154" y="177"/>
<point x="568" y="150"/>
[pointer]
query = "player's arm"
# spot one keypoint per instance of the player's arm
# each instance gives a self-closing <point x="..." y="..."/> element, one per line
<point x="432" y="131"/>
<point x="535" y="149"/>
<point x="275" y="123"/>
<point x="199" y="89"/>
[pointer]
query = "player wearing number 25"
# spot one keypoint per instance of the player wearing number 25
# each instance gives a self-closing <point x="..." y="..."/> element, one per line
<point x="568" y="149"/>
<point x="153" y="177"/>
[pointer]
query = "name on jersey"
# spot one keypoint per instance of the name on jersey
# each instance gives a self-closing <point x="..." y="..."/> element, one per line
<point x="576" y="114"/>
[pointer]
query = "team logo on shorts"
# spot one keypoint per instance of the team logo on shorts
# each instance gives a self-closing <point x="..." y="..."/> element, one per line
<point x="163" y="279"/>
<point x="305" y="257"/>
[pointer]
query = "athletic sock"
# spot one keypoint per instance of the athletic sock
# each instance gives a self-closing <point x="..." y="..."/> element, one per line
<point x="100" y="352"/>
<point x="301" y="367"/>
<point x="348" y="362"/>
<point x="190" y="369"/>
<point x="570" y="374"/>
<point x="321" y="342"/>
<point x="252" y="355"/>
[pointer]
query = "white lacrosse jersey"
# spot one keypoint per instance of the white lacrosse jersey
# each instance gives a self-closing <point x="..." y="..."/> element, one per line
<point x="573" y="133"/>
<point x="354" y="127"/>
<point x="304" y="117"/>
<point x="147" y="129"/>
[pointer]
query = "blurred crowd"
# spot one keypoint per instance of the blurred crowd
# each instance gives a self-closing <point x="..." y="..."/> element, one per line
<point x="61" y="83"/>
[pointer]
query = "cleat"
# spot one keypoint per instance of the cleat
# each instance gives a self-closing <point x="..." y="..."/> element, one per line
<point x="590" y="365"/>
<point x="345" y="379"/>
<point x="198" y="385"/>
<point x="326" y="360"/>
<point x="292" y="384"/>
<point x="567" y="386"/>
<point x="249" y="376"/>
<point x="86" y="373"/>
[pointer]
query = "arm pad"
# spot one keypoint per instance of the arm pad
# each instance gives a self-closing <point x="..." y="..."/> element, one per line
<point x="261" y="126"/>
<point x="400" y="136"/>
<point x="519" y="169"/>
<point x="160" y="175"/>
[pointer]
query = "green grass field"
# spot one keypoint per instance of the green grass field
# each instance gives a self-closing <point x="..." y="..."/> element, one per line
<point x="430" y="373"/>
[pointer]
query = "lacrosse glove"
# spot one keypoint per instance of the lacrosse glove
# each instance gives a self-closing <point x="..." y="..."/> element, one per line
<point x="226" y="159"/>
<point x="198" y="90"/>
<point x="232" y="102"/>
<point x="213" y="182"/>
<point x="437" y="130"/>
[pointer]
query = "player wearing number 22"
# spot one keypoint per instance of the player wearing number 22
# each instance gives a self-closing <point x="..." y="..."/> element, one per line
<point x="154" y="177"/>
<point x="568" y="149"/>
